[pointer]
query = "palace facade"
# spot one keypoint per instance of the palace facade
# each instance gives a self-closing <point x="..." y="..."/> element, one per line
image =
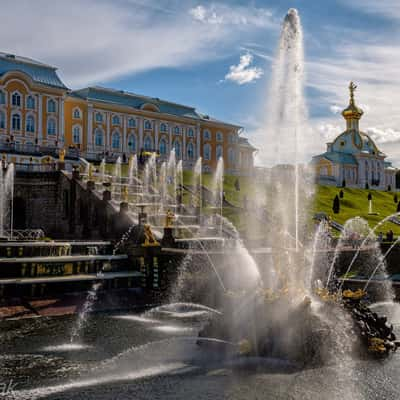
<point x="39" y="116"/>
<point x="353" y="158"/>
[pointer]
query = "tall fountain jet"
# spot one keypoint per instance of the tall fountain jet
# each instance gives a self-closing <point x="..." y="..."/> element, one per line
<point x="287" y="129"/>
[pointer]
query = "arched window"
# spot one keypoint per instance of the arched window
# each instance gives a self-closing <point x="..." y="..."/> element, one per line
<point x="131" y="143"/>
<point x="220" y="137"/>
<point x="51" y="126"/>
<point x="177" y="130"/>
<point x="2" y="97"/>
<point x="30" y="123"/>
<point x="232" y="138"/>
<point x="98" y="137"/>
<point x="218" y="152"/>
<point x="231" y="156"/>
<point x="16" y="99"/>
<point x="16" y="122"/>
<point x="163" y="127"/>
<point x="2" y="120"/>
<point x="115" y="141"/>
<point x="148" y="143"/>
<point x="190" y="132"/>
<point x="207" y="152"/>
<point x="30" y="102"/>
<point x="131" y="123"/>
<point x="206" y="135"/>
<point x="147" y="125"/>
<point x="115" y="120"/>
<point x="163" y="146"/>
<point x="51" y="106"/>
<point x="76" y="134"/>
<point x="177" y="147"/>
<point x="190" y="151"/>
<point x="99" y="117"/>
<point x="77" y="113"/>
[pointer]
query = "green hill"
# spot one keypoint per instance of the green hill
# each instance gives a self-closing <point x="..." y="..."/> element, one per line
<point x="355" y="203"/>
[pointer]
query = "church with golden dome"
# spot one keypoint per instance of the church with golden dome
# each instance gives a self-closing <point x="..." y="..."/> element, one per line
<point x="353" y="159"/>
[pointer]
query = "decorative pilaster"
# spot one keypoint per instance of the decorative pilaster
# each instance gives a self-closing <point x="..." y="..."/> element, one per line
<point x="169" y="138"/>
<point x="61" y="135"/>
<point x="184" y="130"/>
<point x="198" y="142"/>
<point x="40" y="119"/>
<point x="108" y="117"/>
<point x="156" y="128"/>
<point x="124" y="134"/>
<point x="89" y="133"/>
<point x="141" y="122"/>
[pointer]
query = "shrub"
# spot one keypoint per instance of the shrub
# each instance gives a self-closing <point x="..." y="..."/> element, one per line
<point x="336" y="205"/>
<point x="395" y="199"/>
<point x="389" y="188"/>
<point x="366" y="186"/>
<point x="341" y="194"/>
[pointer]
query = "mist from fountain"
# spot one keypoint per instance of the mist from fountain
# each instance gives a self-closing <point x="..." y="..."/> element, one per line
<point x="102" y="169"/>
<point x="217" y="190"/>
<point x="6" y="198"/>
<point x="197" y="185"/>
<point x="132" y="170"/>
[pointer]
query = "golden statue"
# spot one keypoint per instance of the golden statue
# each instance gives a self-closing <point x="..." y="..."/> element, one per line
<point x="61" y="155"/>
<point x="125" y="194"/>
<point x="90" y="172"/>
<point x="352" y="88"/>
<point x="149" y="240"/>
<point x="169" y="219"/>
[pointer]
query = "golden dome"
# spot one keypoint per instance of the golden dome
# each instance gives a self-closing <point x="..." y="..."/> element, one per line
<point x="352" y="111"/>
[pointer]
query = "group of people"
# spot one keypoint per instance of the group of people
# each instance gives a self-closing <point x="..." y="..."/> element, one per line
<point x="389" y="236"/>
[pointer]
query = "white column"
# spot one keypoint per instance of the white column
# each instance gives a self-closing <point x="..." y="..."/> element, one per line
<point x="156" y="128"/>
<point x="184" y="130"/>
<point x="141" y="122"/>
<point x="108" y="141"/>
<point x="89" y="132"/>
<point x="169" y="138"/>
<point x="198" y="142"/>
<point x="124" y="122"/>
<point x="40" y="119"/>
<point x="61" y="136"/>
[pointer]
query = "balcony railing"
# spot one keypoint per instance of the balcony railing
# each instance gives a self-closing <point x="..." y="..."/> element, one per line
<point x="37" y="150"/>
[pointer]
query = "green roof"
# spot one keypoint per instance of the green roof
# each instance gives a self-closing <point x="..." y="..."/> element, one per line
<point x="37" y="71"/>
<point x="337" y="157"/>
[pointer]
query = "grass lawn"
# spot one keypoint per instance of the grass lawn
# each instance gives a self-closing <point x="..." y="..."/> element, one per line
<point x="355" y="203"/>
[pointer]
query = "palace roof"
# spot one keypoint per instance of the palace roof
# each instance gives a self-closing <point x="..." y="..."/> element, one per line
<point x="37" y="71"/>
<point x="337" y="157"/>
<point x="127" y="99"/>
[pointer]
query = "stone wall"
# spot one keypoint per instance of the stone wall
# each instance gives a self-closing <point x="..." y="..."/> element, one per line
<point x="64" y="208"/>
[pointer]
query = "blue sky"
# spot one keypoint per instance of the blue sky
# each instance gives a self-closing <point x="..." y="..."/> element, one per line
<point x="217" y="56"/>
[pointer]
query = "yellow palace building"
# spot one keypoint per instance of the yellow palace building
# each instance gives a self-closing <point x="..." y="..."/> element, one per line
<point x="39" y="116"/>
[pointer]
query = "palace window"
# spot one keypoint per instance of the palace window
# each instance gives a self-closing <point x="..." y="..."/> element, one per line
<point x="131" y="123"/>
<point x="177" y="130"/>
<point x="177" y="147"/>
<point x="232" y="138"/>
<point x="115" y="140"/>
<point x="16" y="122"/>
<point x="206" y="135"/>
<point x="99" y="117"/>
<point x="148" y="143"/>
<point x="98" y="137"/>
<point x="51" y="126"/>
<point x="30" y="102"/>
<point x="115" y="120"/>
<point x="131" y="143"/>
<point x="76" y="134"/>
<point x="218" y="152"/>
<point x="147" y="125"/>
<point x="220" y="137"/>
<point x="30" y="123"/>
<point x="207" y="152"/>
<point x="190" y="132"/>
<point x="231" y="156"/>
<point x="190" y="151"/>
<point x="2" y="120"/>
<point x="2" y="97"/>
<point x="163" y="147"/>
<point x="51" y="106"/>
<point x="76" y="113"/>
<point x="163" y="127"/>
<point x="16" y="99"/>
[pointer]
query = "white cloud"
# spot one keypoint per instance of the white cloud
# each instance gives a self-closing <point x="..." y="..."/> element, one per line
<point x="335" y="109"/>
<point x="382" y="136"/>
<point x="103" y="40"/>
<point x="222" y="14"/>
<point x="243" y="72"/>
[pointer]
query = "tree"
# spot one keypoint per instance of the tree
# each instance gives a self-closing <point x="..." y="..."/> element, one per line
<point x="237" y="185"/>
<point x="398" y="207"/>
<point x="369" y="196"/>
<point x="344" y="183"/>
<point x="341" y="194"/>
<point x="389" y="188"/>
<point x="336" y="205"/>
<point x="395" y="199"/>
<point x="366" y="186"/>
